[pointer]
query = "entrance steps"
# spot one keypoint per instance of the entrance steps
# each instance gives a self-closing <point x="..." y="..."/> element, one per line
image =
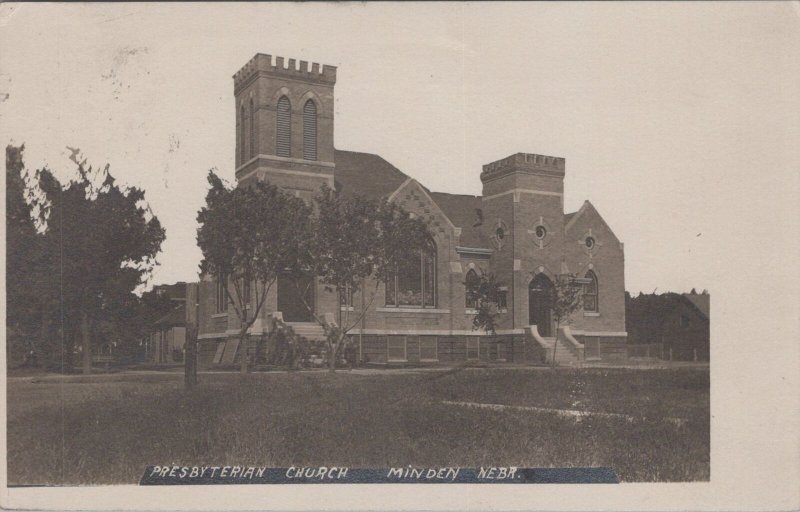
<point x="563" y="355"/>
<point x="311" y="331"/>
<point x="566" y="353"/>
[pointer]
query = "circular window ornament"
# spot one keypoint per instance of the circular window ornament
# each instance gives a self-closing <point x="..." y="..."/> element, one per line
<point x="541" y="234"/>
<point x="589" y="243"/>
<point x="499" y="235"/>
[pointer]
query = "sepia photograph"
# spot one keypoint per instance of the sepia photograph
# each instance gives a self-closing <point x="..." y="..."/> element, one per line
<point x="280" y="244"/>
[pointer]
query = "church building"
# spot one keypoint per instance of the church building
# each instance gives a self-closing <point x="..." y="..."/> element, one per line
<point x="517" y="229"/>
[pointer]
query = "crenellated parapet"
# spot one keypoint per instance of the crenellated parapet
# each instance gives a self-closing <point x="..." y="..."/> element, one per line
<point x="524" y="162"/>
<point x="285" y="68"/>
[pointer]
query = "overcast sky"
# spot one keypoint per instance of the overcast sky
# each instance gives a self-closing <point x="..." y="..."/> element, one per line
<point x="678" y="121"/>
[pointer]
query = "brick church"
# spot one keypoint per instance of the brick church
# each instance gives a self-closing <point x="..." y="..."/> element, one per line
<point x="516" y="229"/>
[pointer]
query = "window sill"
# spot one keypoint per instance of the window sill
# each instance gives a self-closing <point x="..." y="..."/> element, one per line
<point x="397" y="360"/>
<point x="428" y="360"/>
<point x="469" y="311"/>
<point x="590" y="313"/>
<point x="347" y="308"/>
<point x="219" y="315"/>
<point x="411" y="310"/>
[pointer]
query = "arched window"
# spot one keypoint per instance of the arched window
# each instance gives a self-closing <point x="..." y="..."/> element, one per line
<point x="241" y="135"/>
<point x="414" y="284"/>
<point x="310" y="130"/>
<point x="252" y="129"/>
<point x="221" y="302"/>
<point x="471" y="284"/>
<point x="590" y="302"/>
<point x="283" y="135"/>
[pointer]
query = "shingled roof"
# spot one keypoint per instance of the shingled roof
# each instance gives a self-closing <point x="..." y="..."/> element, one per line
<point x="371" y="176"/>
<point x="702" y="301"/>
<point x="366" y="174"/>
<point x="176" y="317"/>
<point x="466" y="213"/>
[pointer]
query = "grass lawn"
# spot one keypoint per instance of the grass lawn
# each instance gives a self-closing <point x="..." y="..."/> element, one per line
<point x="106" y="429"/>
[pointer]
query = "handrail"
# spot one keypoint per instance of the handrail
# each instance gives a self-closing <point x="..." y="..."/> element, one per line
<point x="573" y="344"/>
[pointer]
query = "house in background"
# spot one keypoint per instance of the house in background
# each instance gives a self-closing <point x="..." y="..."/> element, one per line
<point x="690" y="329"/>
<point x="166" y="341"/>
<point x="517" y="229"/>
<point x="677" y="326"/>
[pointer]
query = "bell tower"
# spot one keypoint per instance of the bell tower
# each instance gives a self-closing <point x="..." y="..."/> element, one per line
<point x="284" y="123"/>
<point x="525" y="192"/>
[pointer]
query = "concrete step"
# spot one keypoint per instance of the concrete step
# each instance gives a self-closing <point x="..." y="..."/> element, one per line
<point x="563" y="353"/>
<point x="309" y="330"/>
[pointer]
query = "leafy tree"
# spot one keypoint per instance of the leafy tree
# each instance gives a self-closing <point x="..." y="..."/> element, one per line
<point x="20" y="240"/>
<point x="485" y="294"/>
<point x="352" y="245"/>
<point x="29" y="290"/>
<point x="567" y="294"/>
<point x="248" y="235"/>
<point x="100" y="241"/>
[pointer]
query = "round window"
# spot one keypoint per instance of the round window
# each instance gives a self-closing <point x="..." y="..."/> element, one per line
<point x="541" y="232"/>
<point x="500" y="233"/>
<point x="589" y="242"/>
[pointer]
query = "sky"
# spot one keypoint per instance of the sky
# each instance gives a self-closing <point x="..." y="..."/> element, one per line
<point x="678" y="121"/>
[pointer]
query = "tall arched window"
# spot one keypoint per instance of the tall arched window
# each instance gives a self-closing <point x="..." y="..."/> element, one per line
<point x="241" y="135"/>
<point x="310" y="130"/>
<point x="590" y="289"/>
<point x="221" y="299"/>
<point x="252" y="129"/>
<point x="414" y="284"/>
<point x="283" y="135"/>
<point x="471" y="284"/>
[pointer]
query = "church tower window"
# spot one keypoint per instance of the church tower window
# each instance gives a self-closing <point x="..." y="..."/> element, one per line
<point x="241" y="136"/>
<point x="252" y="126"/>
<point x="310" y="130"/>
<point x="283" y="146"/>
<point x="221" y="299"/>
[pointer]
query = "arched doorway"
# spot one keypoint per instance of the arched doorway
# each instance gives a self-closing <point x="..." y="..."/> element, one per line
<point x="540" y="304"/>
<point x="290" y="300"/>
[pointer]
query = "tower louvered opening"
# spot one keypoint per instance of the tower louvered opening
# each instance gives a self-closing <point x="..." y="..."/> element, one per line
<point x="252" y="129"/>
<point x="241" y="136"/>
<point x="283" y="146"/>
<point x="310" y="130"/>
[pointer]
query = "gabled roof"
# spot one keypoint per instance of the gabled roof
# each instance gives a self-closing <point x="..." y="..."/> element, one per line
<point x="373" y="177"/>
<point x="571" y="218"/>
<point x="366" y="174"/>
<point x="465" y="211"/>
<point x="701" y="301"/>
<point x="175" y="291"/>
<point x="176" y="317"/>
<point x="461" y="209"/>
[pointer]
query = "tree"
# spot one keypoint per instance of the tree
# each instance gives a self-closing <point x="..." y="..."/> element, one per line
<point x="485" y="294"/>
<point x="567" y="292"/>
<point x="100" y="242"/>
<point x="248" y="236"/>
<point x="23" y="250"/>
<point x="352" y="245"/>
